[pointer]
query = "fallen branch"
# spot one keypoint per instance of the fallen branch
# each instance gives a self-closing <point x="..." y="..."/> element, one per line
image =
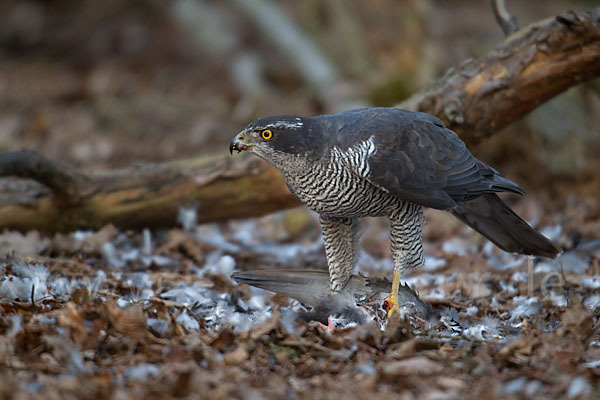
<point x="475" y="100"/>
<point x="533" y="65"/>
<point x="142" y="196"/>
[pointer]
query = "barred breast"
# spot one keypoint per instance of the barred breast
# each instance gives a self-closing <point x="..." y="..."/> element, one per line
<point x="336" y="186"/>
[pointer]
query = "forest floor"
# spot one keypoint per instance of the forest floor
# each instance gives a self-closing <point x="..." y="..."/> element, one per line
<point x="112" y="314"/>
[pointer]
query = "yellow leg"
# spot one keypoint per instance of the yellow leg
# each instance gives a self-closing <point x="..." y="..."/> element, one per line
<point x="393" y="299"/>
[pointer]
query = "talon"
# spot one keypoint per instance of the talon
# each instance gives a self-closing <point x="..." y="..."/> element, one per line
<point x="390" y="306"/>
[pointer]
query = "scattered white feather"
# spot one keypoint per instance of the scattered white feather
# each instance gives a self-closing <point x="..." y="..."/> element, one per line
<point x="471" y="311"/>
<point x="216" y="263"/>
<point x="141" y="372"/>
<point x="433" y="263"/>
<point x="590" y="282"/>
<point x="436" y="293"/>
<point x="477" y="332"/>
<point x="424" y="280"/>
<point x="258" y="300"/>
<point x="188" y="218"/>
<point x="525" y="307"/>
<point x="520" y="276"/>
<point x="142" y="295"/>
<point x="96" y="284"/>
<point x="494" y="303"/>
<point x="507" y="287"/>
<point x="559" y="300"/>
<point x="569" y="261"/>
<point x="35" y="272"/>
<point x="158" y="325"/>
<point x="378" y="264"/>
<point x="80" y="236"/>
<point x="533" y="388"/>
<point x="579" y="388"/>
<point x="288" y="320"/>
<point x="188" y="322"/>
<point x="500" y="260"/>
<point x="592" y="302"/>
<point x="458" y="246"/>
<point x="515" y="386"/>
<point x="16" y="325"/>
<point x="123" y="302"/>
<point x="365" y="368"/>
<point x="551" y="232"/>
<point x="246" y="232"/>
<point x="186" y="295"/>
<point x="60" y="287"/>
<point x="140" y="280"/>
<point x="109" y="253"/>
<point x="487" y="329"/>
<point x="591" y="364"/>
<point x="28" y="281"/>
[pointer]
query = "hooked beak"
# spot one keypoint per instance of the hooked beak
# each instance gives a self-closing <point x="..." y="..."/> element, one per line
<point x="237" y="144"/>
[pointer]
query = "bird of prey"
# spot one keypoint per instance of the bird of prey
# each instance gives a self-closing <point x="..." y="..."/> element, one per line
<point x="360" y="299"/>
<point x="387" y="162"/>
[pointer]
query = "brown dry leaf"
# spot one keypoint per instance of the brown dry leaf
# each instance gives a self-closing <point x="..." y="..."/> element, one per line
<point x="81" y="296"/>
<point x="440" y="225"/>
<point x="577" y="320"/>
<point x="72" y="318"/>
<point x="398" y="329"/>
<point x="94" y="242"/>
<point x="266" y="327"/>
<point x="20" y="244"/>
<point x="410" y="366"/>
<point x="515" y="346"/>
<point x="91" y="244"/>
<point x="475" y="288"/>
<point x="225" y="338"/>
<point x="164" y="278"/>
<point x="130" y="321"/>
<point x="405" y="349"/>
<point x="237" y="356"/>
<point x="368" y="333"/>
<point x="181" y="242"/>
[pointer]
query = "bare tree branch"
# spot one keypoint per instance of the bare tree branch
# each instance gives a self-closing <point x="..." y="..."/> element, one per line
<point x="507" y="22"/>
<point x="533" y="65"/>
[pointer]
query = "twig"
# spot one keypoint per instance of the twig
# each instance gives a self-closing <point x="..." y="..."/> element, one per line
<point x="300" y="51"/>
<point x="33" y="296"/>
<point x="507" y="22"/>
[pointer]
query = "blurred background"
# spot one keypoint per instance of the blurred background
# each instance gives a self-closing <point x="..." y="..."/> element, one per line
<point x="104" y="84"/>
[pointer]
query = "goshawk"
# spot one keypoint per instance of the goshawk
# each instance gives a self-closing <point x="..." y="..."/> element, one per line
<point x="387" y="162"/>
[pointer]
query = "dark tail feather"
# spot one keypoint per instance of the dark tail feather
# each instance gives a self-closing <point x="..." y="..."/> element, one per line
<point x="494" y="219"/>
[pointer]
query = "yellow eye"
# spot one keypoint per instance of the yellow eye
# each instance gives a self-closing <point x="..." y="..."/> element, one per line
<point x="266" y="134"/>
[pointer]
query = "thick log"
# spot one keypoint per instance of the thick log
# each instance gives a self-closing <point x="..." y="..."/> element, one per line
<point x="142" y="196"/>
<point x="476" y="99"/>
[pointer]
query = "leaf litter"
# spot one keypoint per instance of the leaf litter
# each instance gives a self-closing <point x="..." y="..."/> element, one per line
<point x="110" y="314"/>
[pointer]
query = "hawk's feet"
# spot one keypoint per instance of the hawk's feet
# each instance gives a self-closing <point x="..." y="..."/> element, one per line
<point x="391" y="303"/>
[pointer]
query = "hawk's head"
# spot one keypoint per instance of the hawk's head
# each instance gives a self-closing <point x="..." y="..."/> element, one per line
<point x="273" y="137"/>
